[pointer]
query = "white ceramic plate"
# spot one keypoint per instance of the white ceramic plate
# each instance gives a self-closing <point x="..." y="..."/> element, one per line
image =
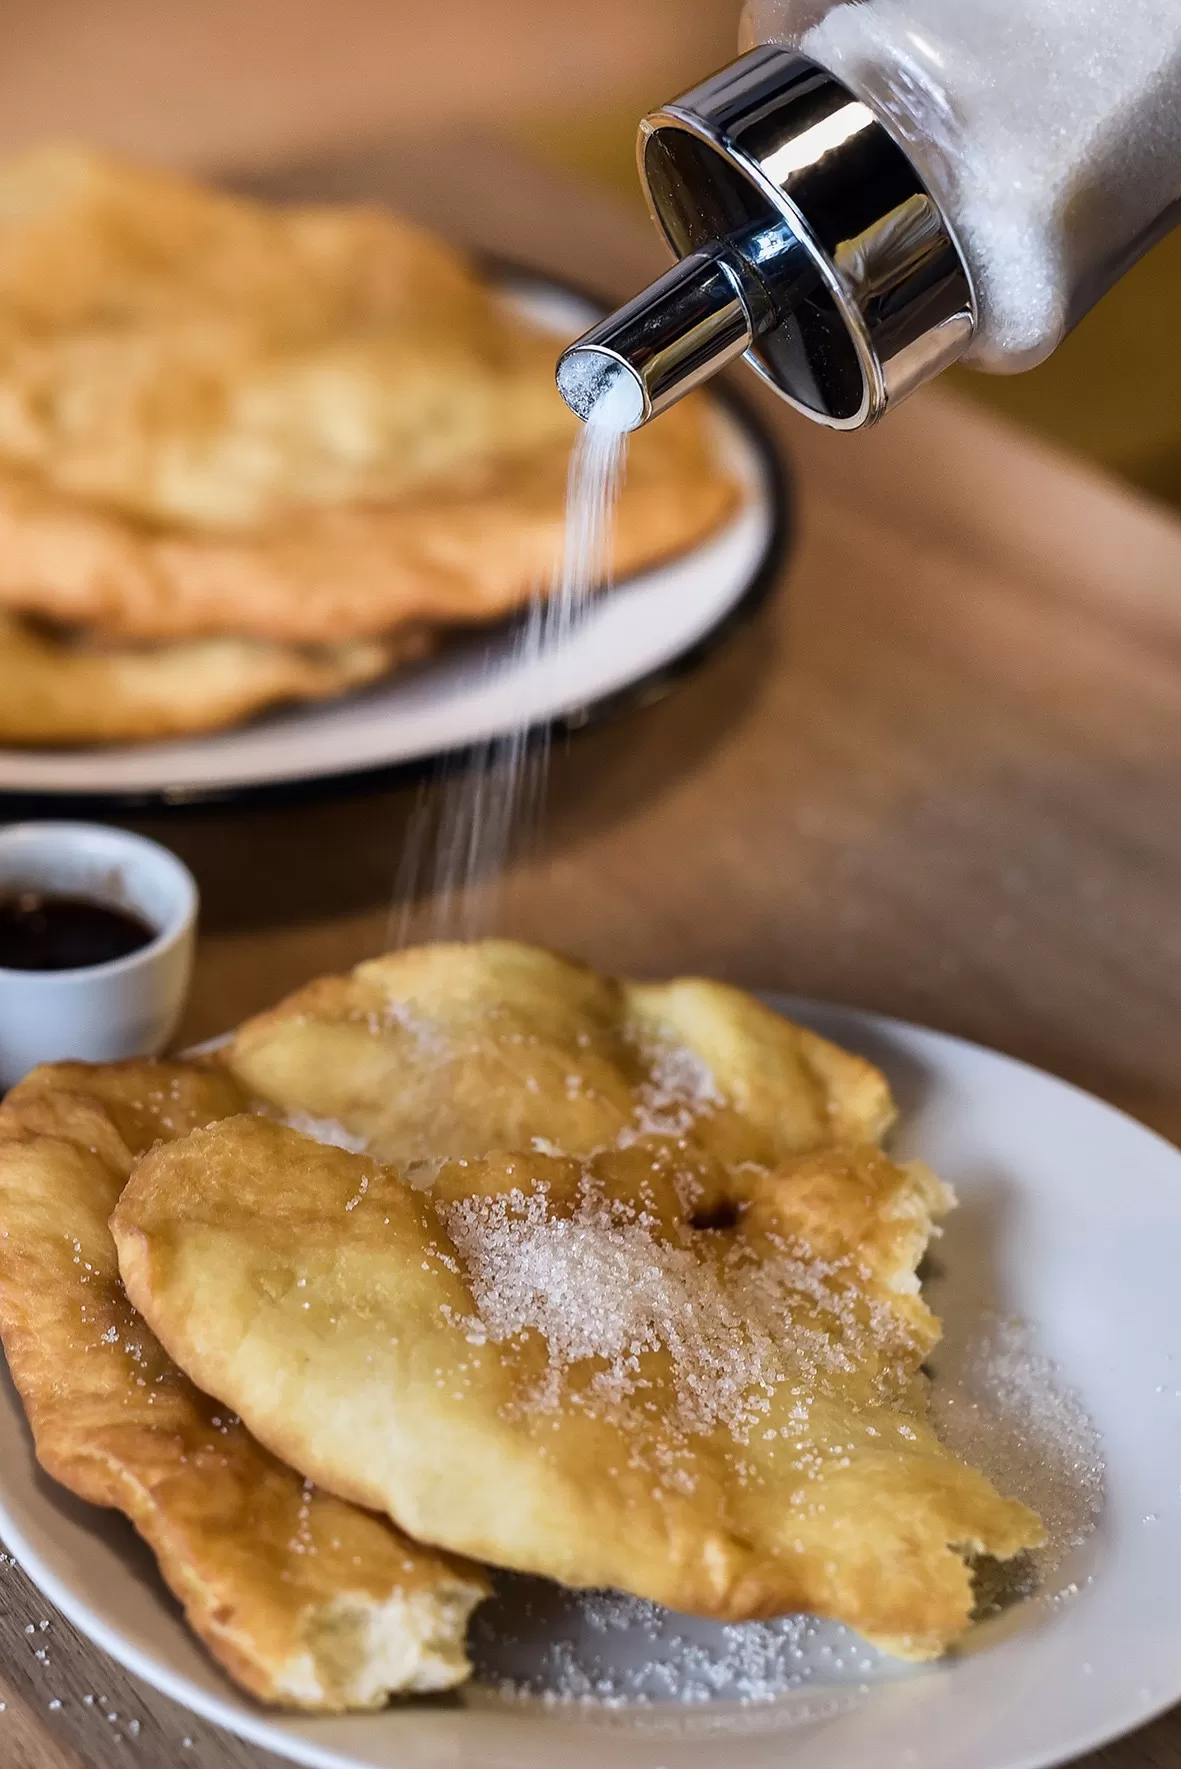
<point x="1070" y="1217"/>
<point x="631" y="646"/>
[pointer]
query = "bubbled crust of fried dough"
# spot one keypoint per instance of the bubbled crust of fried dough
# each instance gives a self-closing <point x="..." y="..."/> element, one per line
<point x="453" y="1050"/>
<point x="59" y="689"/>
<point x="303" y="424"/>
<point x="305" y="1600"/>
<point x="334" y="1305"/>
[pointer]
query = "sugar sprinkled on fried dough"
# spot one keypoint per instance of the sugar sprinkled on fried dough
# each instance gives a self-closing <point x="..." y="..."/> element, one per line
<point x="632" y="1250"/>
<point x="306" y="1600"/>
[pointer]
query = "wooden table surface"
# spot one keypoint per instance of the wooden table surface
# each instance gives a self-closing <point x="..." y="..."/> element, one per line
<point x="940" y="776"/>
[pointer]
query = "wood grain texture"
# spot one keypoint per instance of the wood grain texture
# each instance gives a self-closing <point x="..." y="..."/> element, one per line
<point x="939" y="777"/>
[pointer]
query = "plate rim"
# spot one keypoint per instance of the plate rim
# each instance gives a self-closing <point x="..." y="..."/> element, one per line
<point x="265" y="1730"/>
<point x="653" y="685"/>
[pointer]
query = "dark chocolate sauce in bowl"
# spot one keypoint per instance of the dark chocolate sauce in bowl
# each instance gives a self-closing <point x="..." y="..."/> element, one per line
<point x="42" y="931"/>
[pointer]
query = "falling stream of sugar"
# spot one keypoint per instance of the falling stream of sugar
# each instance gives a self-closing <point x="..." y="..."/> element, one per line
<point x="480" y="811"/>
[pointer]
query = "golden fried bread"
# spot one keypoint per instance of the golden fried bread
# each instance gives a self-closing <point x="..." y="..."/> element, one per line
<point x="588" y="1369"/>
<point x="458" y="1050"/>
<point x="187" y="356"/>
<point x="302" y="424"/>
<point x="346" y="571"/>
<point x="63" y="688"/>
<point x="304" y="1599"/>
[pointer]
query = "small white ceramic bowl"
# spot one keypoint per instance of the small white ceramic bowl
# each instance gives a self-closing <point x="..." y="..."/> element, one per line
<point x="128" y="1007"/>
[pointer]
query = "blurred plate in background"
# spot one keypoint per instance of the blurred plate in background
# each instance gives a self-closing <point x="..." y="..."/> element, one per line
<point x="631" y="647"/>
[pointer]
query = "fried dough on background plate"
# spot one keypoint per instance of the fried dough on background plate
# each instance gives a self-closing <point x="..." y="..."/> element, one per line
<point x="699" y="1387"/>
<point x="306" y="1600"/>
<point x="348" y="571"/>
<point x="303" y="424"/>
<point x="58" y="689"/>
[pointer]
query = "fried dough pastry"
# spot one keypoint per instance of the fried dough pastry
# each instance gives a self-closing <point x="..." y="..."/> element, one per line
<point x="461" y="557"/>
<point x="304" y="1599"/>
<point x="183" y="355"/>
<point x="305" y="424"/>
<point x="58" y="688"/>
<point x="459" y="1050"/>
<point x="701" y="1387"/>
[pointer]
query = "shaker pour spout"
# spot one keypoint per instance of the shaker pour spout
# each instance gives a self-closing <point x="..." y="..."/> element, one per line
<point x="807" y="244"/>
<point x="703" y="313"/>
<point x="689" y="324"/>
